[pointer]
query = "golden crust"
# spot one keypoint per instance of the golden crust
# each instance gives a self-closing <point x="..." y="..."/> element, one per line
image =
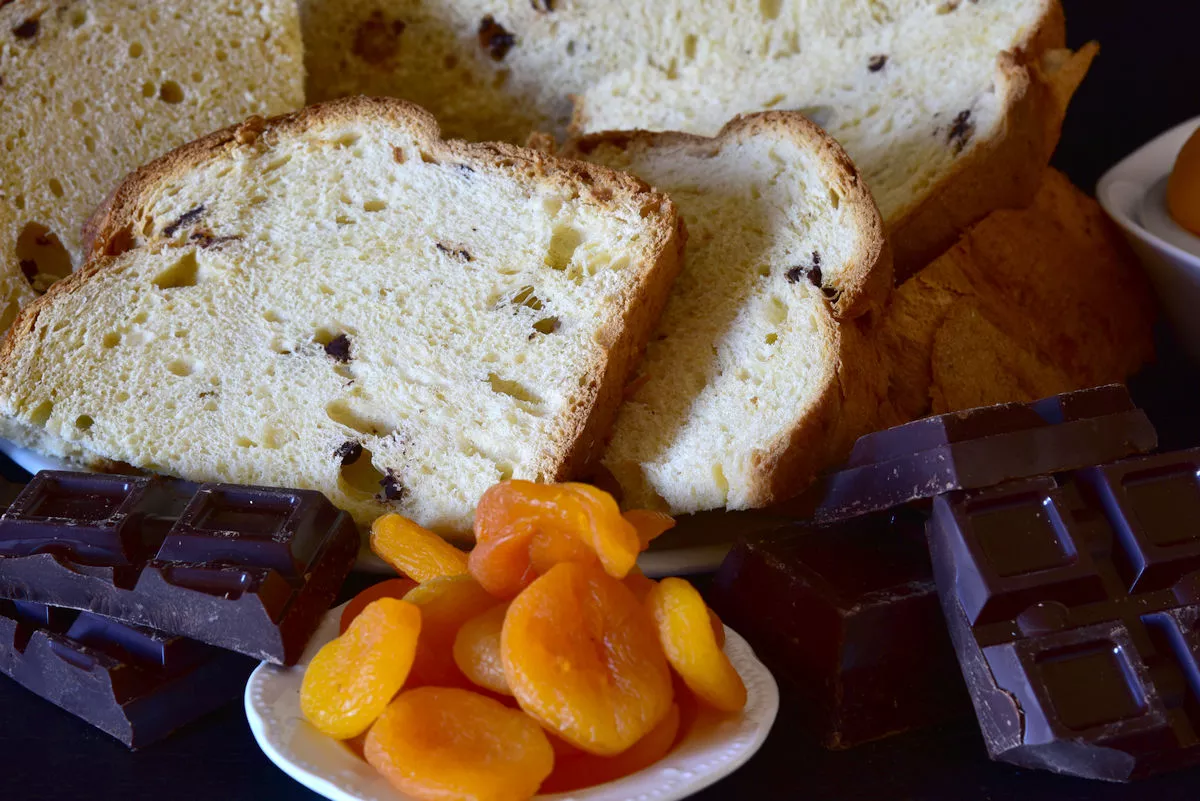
<point x="113" y="230"/>
<point x="847" y="405"/>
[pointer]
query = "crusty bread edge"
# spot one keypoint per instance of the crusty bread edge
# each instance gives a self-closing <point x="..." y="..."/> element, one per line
<point x="847" y="405"/>
<point x="581" y="437"/>
<point x="1005" y="170"/>
<point x="867" y="282"/>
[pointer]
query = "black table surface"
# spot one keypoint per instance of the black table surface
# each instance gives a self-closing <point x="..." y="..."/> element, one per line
<point x="1146" y="79"/>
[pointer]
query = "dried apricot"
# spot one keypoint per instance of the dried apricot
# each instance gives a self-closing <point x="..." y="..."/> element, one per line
<point x="392" y="588"/>
<point x="581" y="655"/>
<point x="414" y="551"/>
<point x="477" y="650"/>
<point x="586" y="770"/>
<point x="446" y="744"/>
<point x="686" y="633"/>
<point x="352" y="678"/>
<point x="522" y="529"/>
<point x="638" y="584"/>
<point x="446" y="603"/>
<point x="649" y="524"/>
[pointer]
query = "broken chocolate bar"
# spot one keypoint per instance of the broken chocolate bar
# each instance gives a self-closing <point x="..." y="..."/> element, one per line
<point x="847" y="615"/>
<point x="984" y="447"/>
<point x="133" y="683"/>
<point x="1074" y="606"/>
<point x="251" y="569"/>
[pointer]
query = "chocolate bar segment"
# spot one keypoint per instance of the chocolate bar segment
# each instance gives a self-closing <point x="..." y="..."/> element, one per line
<point x="251" y="569"/>
<point x="135" y="684"/>
<point x="847" y="616"/>
<point x="1073" y="605"/>
<point x="984" y="447"/>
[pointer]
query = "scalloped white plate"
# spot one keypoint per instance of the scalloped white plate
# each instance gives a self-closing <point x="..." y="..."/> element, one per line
<point x="715" y="747"/>
<point x="674" y="560"/>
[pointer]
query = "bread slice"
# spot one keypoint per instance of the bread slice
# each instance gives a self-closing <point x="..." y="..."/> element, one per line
<point x="1029" y="303"/>
<point x="757" y="375"/>
<point x="340" y="300"/>
<point x="950" y="108"/>
<point x="90" y="89"/>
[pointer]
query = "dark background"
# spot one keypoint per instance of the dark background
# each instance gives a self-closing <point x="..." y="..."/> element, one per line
<point x="1146" y="80"/>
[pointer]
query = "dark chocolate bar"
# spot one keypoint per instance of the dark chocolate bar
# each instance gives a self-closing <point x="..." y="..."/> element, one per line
<point x="251" y="569"/>
<point x="133" y="683"/>
<point x="1074" y="606"/>
<point x="984" y="447"/>
<point x="847" y="615"/>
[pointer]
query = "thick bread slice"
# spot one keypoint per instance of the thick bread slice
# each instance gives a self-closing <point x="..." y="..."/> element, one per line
<point x="950" y="108"/>
<point x="757" y="376"/>
<point x="1028" y="303"/>
<point x="273" y="300"/>
<point x="90" y="89"/>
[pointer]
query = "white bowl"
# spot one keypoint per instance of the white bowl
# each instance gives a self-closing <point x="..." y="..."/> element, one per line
<point x="715" y="746"/>
<point x="1133" y="194"/>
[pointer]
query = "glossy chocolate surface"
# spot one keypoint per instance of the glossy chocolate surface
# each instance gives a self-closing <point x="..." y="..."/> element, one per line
<point x="136" y="684"/>
<point x="847" y="616"/>
<point x="1074" y="606"/>
<point x="251" y="569"/>
<point x="983" y="447"/>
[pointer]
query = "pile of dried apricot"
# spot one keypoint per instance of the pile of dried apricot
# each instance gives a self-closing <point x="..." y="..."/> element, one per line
<point x="542" y="659"/>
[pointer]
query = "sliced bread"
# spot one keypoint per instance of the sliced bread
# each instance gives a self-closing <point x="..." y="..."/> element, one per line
<point x="340" y="300"/>
<point x="757" y="375"/>
<point x="90" y="89"/>
<point x="1029" y="303"/>
<point x="950" y="108"/>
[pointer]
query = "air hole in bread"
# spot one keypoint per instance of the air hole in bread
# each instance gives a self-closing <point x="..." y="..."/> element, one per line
<point x="770" y="8"/>
<point x="526" y="298"/>
<point x="111" y="339"/>
<point x="772" y="339"/>
<point x="148" y="89"/>
<point x="776" y="311"/>
<point x="374" y="205"/>
<point x="428" y="158"/>
<point x="835" y="199"/>
<point x="514" y="389"/>
<point x="41" y="256"/>
<point x="359" y="476"/>
<point x="181" y="367"/>
<point x="41" y="413"/>
<point x="182" y="273"/>
<point x="347" y="139"/>
<point x="245" y="442"/>
<point x="136" y="49"/>
<point x="547" y="325"/>
<point x="774" y="101"/>
<point x="564" y="241"/>
<point x="83" y="422"/>
<point x="342" y="413"/>
<point x="689" y="47"/>
<point x="79" y="18"/>
<point x="276" y="163"/>
<point x="343" y="219"/>
<point x="272" y="316"/>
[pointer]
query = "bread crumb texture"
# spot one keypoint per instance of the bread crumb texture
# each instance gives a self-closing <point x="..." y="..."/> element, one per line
<point x="339" y="300"/>
<point x="90" y="89"/>
<point x="739" y="396"/>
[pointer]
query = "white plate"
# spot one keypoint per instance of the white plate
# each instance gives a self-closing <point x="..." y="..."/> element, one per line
<point x="715" y="747"/>
<point x="676" y="560"/>
<point x="1132" y="193"/>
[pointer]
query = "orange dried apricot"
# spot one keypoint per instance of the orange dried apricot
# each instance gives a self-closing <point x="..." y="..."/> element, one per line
<point x="415" y="551"/>
<point x="446" y="744"/>
<point x="477" y="650"/>
<point x="649" y="524"/>
<point x="392" y="588"/>
<point x="522" y="529"/>
<point x="352" y="678"/>
<point x="586" y="770"/>
<point x="582" y="657"/>
<point x="446" y="603"/>
<point x="690" y="643"/>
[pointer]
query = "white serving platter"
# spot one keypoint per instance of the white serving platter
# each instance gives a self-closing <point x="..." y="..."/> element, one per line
<point x="713" y="748"/>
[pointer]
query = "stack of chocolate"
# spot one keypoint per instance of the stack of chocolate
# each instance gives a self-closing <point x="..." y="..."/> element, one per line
<point x="1069" y="580"/>
<point x="140" y="604"/>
